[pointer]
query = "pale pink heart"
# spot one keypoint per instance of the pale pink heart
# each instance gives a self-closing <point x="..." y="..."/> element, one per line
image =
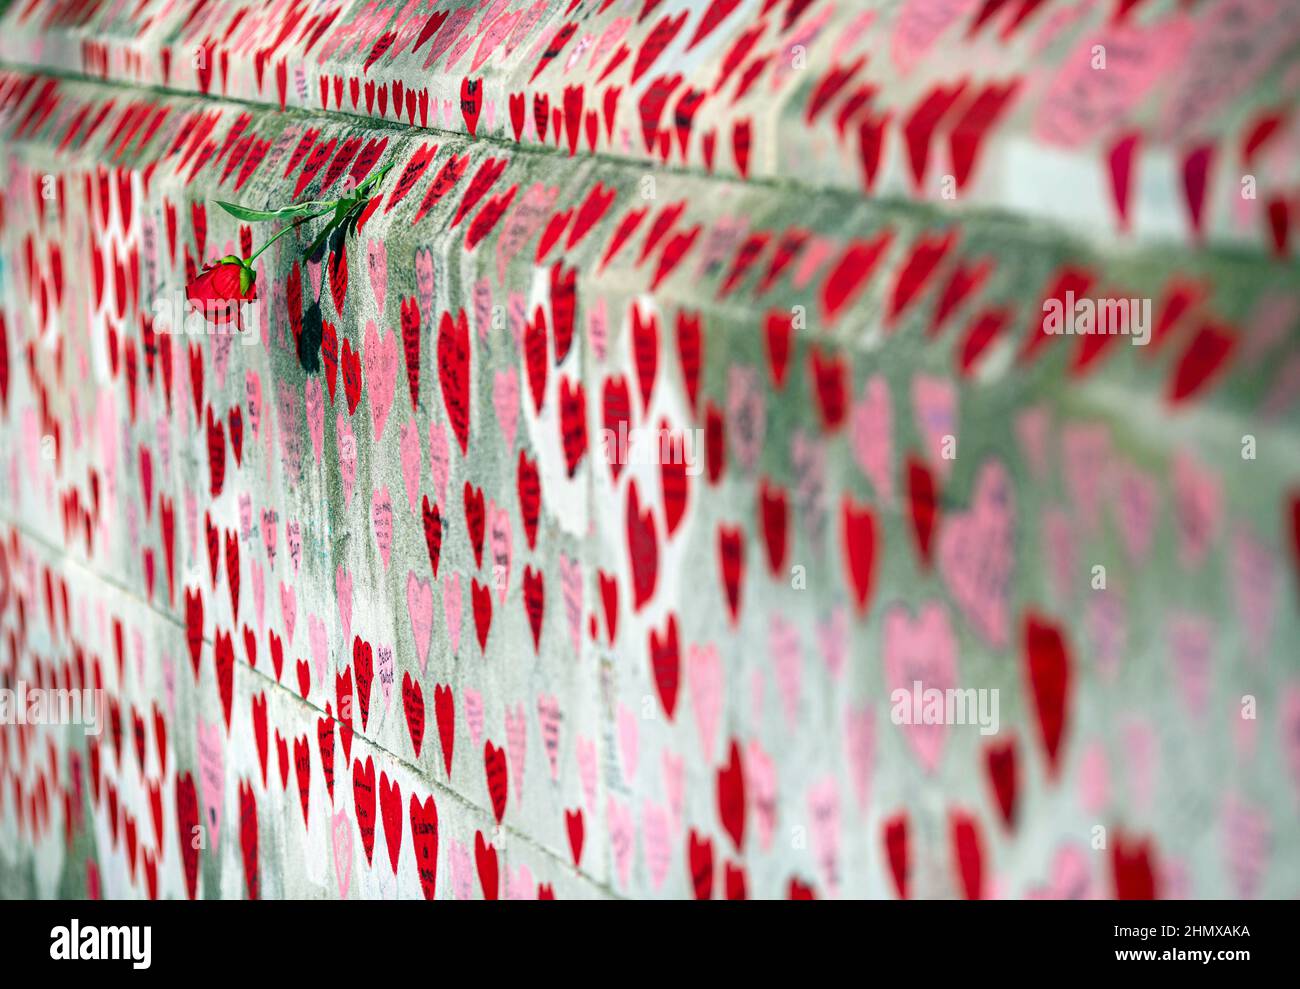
<point x="499" y="536"/>
<point x="1134" y="509"/>
<point x="1107" y="624"/>
<point x="449" y="114"/>
<point x="424" y="281"/>
<point x="746" y="418"/>
<point x="934" y="404"/>
<point x="516" y="743"/>
<point x="164" y="443"/>
<point x="920" y="649"/>
<point x="597" y="328"/>
<point x="520" y="884"/>
<point x="381" y="518"/>
<point x="1058" y="549"/>
<point x="860" y="749"/>
<point x="439" y="459"/>
<point x="341" y="834"/>
<point x="385" y="670"/>
<point x="290" y="437"/>
<point x="138" y="650"/>
<point x="474" y="715"/>
<point x="320" y="652"/>
<point x="1142" y="759"/>
<point x="802" y="34"/>
<point x="1198" y="508"/>
<point x="192" y="521"/>
<point x="212" y="777"/>
<point x="1291" y="732"/>
<point x="622" y="837"/>
<point x="833" y="640"/>
<point x="343" y="591"/>
<point x="245" y="516"/>
<point x="587" y="764"/>
<point x="1094" y="778"/>
<point x="656" y="842"/>
<point x="483" y="307"/>
<point x="919" y="24"/>
<point x="705" y="677"/>
<point x="721" y="243"/>
<point x="824" y="814"/>
<point x="221" y="358"/>
<point x="612" y="34"/>
<point x="517" y="313"/>
<point x="674" y="782"/>
<point x="419" y="603"/>
<point x="377" y="263"/>
<point x="760" y="786"/>
<point x="288" y="610"/>
<point x="314" y="276"/>
<point x="462" y="870"/>
<point x="1191" y="646"/>
<point x="293" y="539"/>
<point x="1071" y="877"/>
<point x="1254" y="583"/>
<point x="548" y="719"/>
<point x="259" y="590"/>
<point x="505" y="400"/>
<point x="1270" y="322"/>
<point x="169" y="684"/>
<point x="532" y="210"/>
<point x="571" y="589"/>
<point x="816" y="252"/>
<point x="496" y="33"/>
<point x="1088" y="462"/>
<point x="381" y="374"/>
<point x="458" y="48"/>
<point x="409" y="449"/>
<point x="977" y="554"/>
<point x="873" y="437"/>
<point x="347" y="445"/>
<point x="808" y="461"/>
<point x="628" y="738"/>
<point x="787" y="659"/>
<point x="451" y="608"/>
<point x="1247" y="844"/>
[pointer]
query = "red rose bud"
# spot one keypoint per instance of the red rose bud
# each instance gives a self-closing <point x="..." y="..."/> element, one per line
<point x="219" y="289"/>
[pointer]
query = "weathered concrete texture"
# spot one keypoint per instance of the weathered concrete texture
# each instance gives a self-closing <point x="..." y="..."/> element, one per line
<point x="637" y="681"/>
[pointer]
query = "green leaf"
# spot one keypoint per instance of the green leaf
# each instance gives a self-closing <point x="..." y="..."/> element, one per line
<point x="283" y="213"/>
<point x="246" y="277"/>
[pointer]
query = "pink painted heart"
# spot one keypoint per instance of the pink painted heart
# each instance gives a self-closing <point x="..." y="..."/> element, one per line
<point x="377" y="263"/>
<point x="451" y="603"/>
<point x="977" y="554"/>
<point x="381" y="518"/>
<point x="315" y="403"/>
<point x="343" y="593"/>
<point x="381" y="374"/>
<point x="505" y="400"/>
<point x="706" y="681"/>
<point x="934" y="403"/>
<point x="439" y="459"/>
<point x="571" y="589"/>
<point x="500" y="539"/>
<point x="347" y="456"/>
<point x="409" y="450"/>
<point x="873" y="437"/>
<point x="919" y="650"/>
<point x="419" y="603"/>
